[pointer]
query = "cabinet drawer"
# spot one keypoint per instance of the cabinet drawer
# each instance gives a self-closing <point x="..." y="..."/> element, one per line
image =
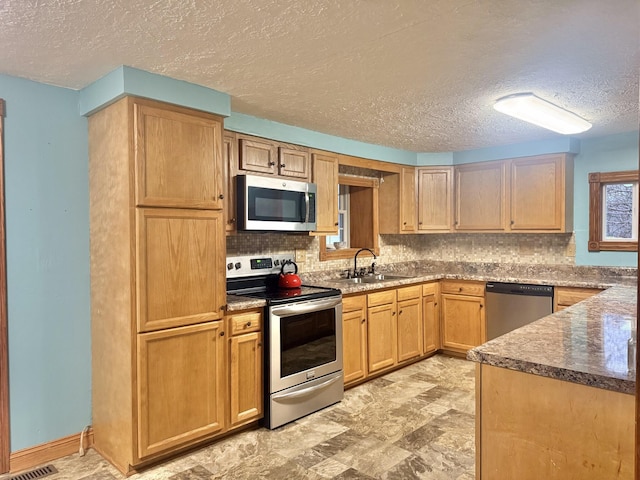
<point x="430" y="288"/>
<point x="381" y="298"/>
<point x="245" y="322"/>
<point x="350" y="304"/>
<point x="460" y="287"/>
<point x="407" y="293"/>
<point x="568" y="295"/>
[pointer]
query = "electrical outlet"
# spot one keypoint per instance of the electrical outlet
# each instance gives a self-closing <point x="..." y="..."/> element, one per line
<point x="301" y="255"/>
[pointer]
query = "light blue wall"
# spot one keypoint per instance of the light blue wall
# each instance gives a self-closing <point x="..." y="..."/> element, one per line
<point x="606" y="154"/>
<point x="47" y="207"/>
<point x="558" y="144"/>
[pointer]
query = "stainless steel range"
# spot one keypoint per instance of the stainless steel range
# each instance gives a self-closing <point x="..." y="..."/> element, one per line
<point x="303" y="336"/>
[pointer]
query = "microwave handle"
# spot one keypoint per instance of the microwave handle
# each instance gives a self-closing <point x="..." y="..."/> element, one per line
<point x="306" y="204"/>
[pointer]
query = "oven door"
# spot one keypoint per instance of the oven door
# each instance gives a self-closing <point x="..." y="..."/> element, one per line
<point x="305" y="341"/>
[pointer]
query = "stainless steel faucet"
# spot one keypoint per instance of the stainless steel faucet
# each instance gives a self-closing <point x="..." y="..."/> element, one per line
<point x="355" y="262"/>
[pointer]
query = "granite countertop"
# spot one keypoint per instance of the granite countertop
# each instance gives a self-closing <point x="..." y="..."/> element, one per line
<point x="585" y="343"/>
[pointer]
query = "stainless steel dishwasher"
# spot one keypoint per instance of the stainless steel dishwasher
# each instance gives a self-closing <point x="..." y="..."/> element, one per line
<point x="513" y="305"/>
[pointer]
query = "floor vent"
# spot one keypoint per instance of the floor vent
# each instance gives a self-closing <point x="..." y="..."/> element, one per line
<point x="36" y="473"/>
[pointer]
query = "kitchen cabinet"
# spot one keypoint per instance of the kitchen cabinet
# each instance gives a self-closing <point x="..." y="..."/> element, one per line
<point x="435" y="199"/>
<point x="230" y="164"/>
<point x="325" y="176"/>
<point x="157" y="280"/>
<point x="181" y="387"/>
<point x="354" y="334"/>
<point x="177" y="157"/>
<point x="431" y="318"/>
<point x="564" y="297"/>
<point x="245" y="367"/>
<point x="481" y="196"/>
<point x="264" y="156"/>
<point x="463" y="317"/>
<point x="541" y="193"/>
<point x="382" y="347"/>
<point x="409" y="322"/>
<point x="408" y="214"/>
<point x="180" y="253"/>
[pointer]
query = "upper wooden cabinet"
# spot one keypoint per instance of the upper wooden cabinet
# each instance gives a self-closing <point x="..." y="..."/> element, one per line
<point x="398" y="201"/>
<point x="435" y="199"/>
<point x="263" y="156"/>
<point x="230" y="165"/>
<point x="325" y="176"/>
<point x="177" y="154"/>
<point x="481" y="196"/>
<point x="541" y="193"/>
<point x="529" y="194"/>
<point x="408" y="215"/>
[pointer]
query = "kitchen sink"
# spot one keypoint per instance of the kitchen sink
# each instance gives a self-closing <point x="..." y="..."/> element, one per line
<point x="379" y="277"/>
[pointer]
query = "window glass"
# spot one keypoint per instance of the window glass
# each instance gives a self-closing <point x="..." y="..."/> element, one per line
<point x="343" y="218"/>
<point x="619" y="212"/>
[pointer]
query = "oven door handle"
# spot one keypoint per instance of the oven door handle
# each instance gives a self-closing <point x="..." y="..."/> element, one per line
<point x="306" y="307"/>
<point x="307" y="391"/>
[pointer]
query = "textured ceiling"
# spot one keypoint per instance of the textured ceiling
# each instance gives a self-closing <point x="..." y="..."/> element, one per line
<point x="419" y="75"/>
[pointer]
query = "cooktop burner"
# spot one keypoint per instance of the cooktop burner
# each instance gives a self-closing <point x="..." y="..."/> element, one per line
<point x="257" y="277"/>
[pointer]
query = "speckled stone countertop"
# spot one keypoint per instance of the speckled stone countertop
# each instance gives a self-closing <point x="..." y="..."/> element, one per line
<point x="585" y="343"/>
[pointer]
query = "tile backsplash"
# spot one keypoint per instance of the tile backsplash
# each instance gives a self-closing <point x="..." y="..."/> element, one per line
<point x="553" y="249"/>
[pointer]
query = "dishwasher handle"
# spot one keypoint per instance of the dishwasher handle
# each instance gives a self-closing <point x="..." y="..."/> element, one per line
<point x="519" y="289"/>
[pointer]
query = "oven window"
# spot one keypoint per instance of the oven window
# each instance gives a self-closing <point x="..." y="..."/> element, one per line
<point x="271" y="205"/>
<point x="307" y="341"/>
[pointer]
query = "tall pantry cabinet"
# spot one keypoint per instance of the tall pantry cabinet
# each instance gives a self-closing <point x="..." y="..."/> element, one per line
<point x="157" y="279"/>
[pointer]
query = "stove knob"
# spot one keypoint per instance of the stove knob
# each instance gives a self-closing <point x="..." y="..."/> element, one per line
<point x="238" y="265"/>
<point x="276" y="262"/>
<point x="229" y="266"/>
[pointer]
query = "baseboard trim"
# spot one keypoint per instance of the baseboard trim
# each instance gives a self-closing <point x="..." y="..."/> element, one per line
<point x="33" y="456"/>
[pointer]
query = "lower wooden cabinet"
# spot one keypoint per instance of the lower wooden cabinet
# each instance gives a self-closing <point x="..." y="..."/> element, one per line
<point x="181" y="386"/>
<point x="354" y="335"/>
<point x="463" y="317"/>
<point x="409" y="322"/>
<point x="564" y="297"/>
<point x="430" y="318"/>
<point x="245" y="367"/>
<point x="381" y="331"/>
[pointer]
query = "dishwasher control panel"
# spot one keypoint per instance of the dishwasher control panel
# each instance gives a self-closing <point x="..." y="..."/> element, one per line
<point x="520" y="289"/>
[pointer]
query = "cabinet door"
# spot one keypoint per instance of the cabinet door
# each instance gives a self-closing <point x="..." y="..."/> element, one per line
<point x="408" y="214"/>
<point x="537" y="193"/>
<point x="257" y="155"/>
<point x="230" y="164"/>
<point x="481" y="196"/>
<point x="293" y="162"/>
<point x="435" y="199"/>
<point x="180" y="259"/>
<point x="354" y="333"/>
<point x="381" y="337"/>
<point x="180" y="387"/>
<point x="246" y="378"/>
<point x="409" y="329"/>
<point x="431" y="323"/>
<point x="178" y="157"/>
<point x="325" y="176"/>
<point x="463" y="322"/>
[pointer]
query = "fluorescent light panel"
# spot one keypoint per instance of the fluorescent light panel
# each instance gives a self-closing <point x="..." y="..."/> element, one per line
<point x="532" y="109"/>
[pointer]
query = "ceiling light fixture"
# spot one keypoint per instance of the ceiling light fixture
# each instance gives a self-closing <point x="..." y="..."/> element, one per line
<point x="532" y="109"/>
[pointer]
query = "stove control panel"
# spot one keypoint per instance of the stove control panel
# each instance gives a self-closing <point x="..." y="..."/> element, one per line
<point x="253" y="265"/>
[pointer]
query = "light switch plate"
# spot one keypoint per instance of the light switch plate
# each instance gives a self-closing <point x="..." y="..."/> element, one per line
<point x="301" y="255"/>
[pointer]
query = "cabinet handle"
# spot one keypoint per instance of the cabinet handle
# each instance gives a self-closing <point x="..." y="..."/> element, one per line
<point x="248" y="324"/>
<point x="435" y="304"/>
<point x="271" y="164"/>
<point x="282" y="165"/>
<point x="404" y="223"/>
<point x="259" y="344"/>
<point x="363" y="320"/>
<point x="400" y="312"/>
<point x="459" y="289"/>
<point x="222" y="334"/>
<point x="512" y="222"/>
<point x="393" y="314"/>
<point x="221" y="196"/>
<point x="481" y="305"/>
<point x="336" y="224"/>
<point x="419" y="223"/>
<point x="232" y="220"/>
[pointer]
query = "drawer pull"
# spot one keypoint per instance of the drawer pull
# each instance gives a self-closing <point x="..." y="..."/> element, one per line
<point x="248" y="324"/>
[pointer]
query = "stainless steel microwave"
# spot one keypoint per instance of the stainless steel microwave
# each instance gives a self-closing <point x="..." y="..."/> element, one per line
<point x="275" y="204"/>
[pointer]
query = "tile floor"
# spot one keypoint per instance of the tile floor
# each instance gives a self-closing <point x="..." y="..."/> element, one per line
<point x="417" y="422"/>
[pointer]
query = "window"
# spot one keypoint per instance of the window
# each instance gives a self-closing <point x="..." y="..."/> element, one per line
<point x="343" y="219"/>
<point x="613" y="211"/>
